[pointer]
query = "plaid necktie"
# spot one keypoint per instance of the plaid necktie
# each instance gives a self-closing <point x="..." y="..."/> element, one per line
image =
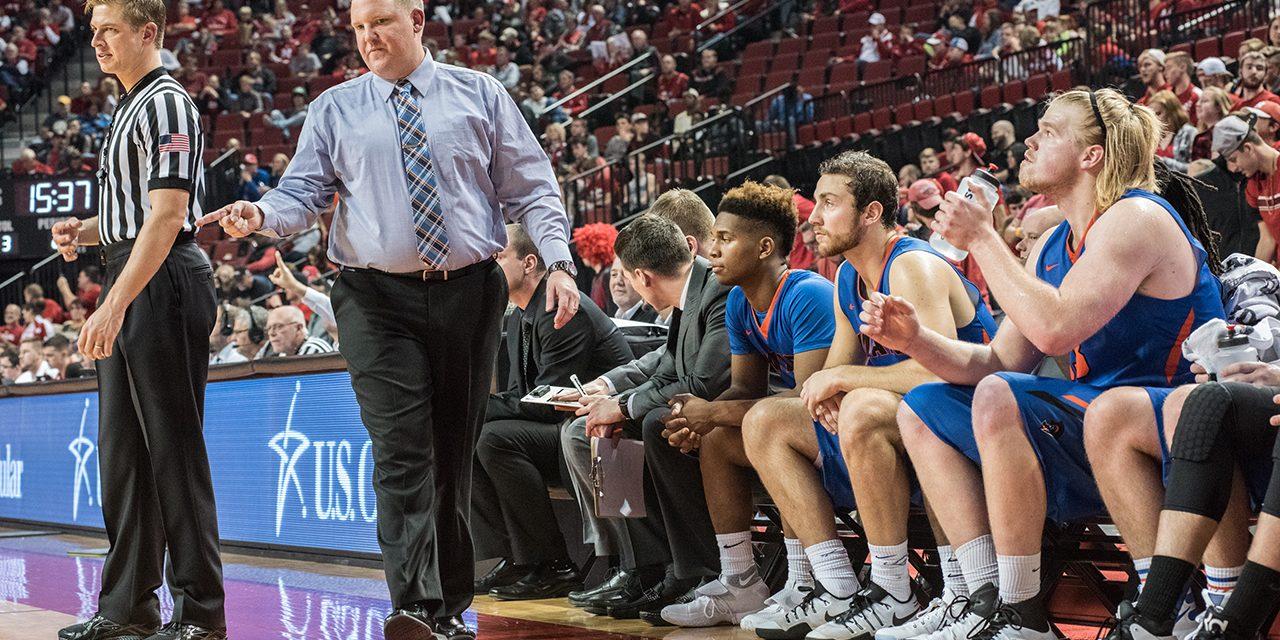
<point x="424" y="194"/>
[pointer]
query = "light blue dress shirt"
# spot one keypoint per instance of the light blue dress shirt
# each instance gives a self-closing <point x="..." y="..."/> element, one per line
<point x="488" y="164"/>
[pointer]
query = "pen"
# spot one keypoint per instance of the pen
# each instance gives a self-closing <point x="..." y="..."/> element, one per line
<point x="577" y="384"/>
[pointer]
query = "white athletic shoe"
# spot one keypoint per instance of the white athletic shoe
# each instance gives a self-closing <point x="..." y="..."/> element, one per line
<point x="775" y="607"/>
<point x="973" y="612"/>
<point x="816" y="609"/>
<point x="716" y="603"/>
<point x="1190" y="612"/>
<point x="940" y="612"/>
<point x="873" y="609"/>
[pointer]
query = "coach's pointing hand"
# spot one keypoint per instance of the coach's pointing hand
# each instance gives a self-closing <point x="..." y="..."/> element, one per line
<point x="238" y="219"/>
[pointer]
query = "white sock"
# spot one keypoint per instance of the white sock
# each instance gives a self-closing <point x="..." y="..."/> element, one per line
<point x="1221" y="581"/>
<point x="889" y="569"/>
<point x="1142" y="566"/>
<point x="977" y="559"/>
<point x="735" y="554"/>
<point x="1019" y="578"/>
<point x="799" y="573"/>
<point x="952" y="576"/>
<point x="831" y="568"/>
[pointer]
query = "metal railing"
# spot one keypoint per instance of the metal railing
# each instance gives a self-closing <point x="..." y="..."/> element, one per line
<point x="601" y="80"/>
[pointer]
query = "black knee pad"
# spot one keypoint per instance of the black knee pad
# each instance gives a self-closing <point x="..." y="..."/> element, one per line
<point x="1201" y="420"/>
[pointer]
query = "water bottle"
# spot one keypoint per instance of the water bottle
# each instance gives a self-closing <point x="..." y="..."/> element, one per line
<point x="1233" y="347"/>
<point x="980" y="182"/>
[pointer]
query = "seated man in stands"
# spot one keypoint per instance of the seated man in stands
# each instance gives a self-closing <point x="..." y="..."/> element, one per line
<point x="248" y="334"/>
<point x="780" y="325"/>
<point x="518" y="450"/>
<point x="57" y="352"/>
<point x="1225" y="430"/>
<point x="287" y="332"/>
<point x="32" y="363"/>
<point x="9" y="367"/>
<point x="840" y="434"/>
<point x="657" y="259"/>
<point x="641" y="550"/>
<point x="1006" y="453"/>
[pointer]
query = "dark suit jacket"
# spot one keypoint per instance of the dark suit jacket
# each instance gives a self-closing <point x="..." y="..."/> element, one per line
<point x="589" y="345"/>
<point x="699" y="364"/>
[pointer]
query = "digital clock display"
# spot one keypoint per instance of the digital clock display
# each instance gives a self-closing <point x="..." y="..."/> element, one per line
<point x="8" y="245"/>
<point x="68" y="197"/>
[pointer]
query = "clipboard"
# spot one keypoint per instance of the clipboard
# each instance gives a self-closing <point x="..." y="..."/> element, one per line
<point x="543" y="396"/>
<point x="617" y="477"/>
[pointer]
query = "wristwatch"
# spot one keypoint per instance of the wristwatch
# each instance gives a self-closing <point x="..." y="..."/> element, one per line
<point x="564" y="265"/>
<point x="623" y="402"/>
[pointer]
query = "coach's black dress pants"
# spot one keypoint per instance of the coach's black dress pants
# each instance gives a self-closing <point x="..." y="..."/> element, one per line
<point x="156" y="485"/>
<point x="421" y="357"/>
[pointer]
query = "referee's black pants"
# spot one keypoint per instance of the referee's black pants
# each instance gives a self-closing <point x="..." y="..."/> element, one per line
<point x="156" y="486"/>
<point x="421" y="357"/>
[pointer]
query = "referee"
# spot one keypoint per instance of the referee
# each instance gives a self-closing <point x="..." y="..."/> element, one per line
<point x="150" y="336"/>
<point x="430" y="161"/>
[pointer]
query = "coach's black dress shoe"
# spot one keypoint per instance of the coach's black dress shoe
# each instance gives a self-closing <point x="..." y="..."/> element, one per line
<point x="179" y="631"/>
<point x="100" y="628"/>
<point x="409" y="623"/>
<point x="502" y="574"/>
<point x="547" y="580"/>
<point x="668" y="592"/>
<point x="615" y="581"/>
<point x="634" y="586"/>
<point x="453" y="628"/>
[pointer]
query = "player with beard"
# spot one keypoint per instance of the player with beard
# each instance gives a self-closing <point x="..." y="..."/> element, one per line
<point x="1253" y="73"/>
<point x="1004" y="448"/>
<point x="841" y="430"/>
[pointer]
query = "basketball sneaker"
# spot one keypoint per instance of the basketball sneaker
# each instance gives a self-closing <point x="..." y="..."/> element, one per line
<point x="816" y="609"/>
<point x="717" y="602"/>
<point x="775" y="607"/>
<point x="940" y="612"/>
<point x="872" y="609"/>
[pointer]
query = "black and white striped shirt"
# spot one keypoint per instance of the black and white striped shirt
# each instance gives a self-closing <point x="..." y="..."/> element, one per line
<point x="154" y="143"/>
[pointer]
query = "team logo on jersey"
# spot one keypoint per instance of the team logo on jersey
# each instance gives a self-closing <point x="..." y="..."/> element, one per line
<point x="1051" y="427"/>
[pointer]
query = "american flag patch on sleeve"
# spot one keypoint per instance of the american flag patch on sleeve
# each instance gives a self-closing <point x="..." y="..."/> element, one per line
<point x="174" y="143"/>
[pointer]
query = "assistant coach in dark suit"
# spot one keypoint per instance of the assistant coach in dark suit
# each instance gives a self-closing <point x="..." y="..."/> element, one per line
<point x="519" y="446"/>
<point x="430" y="162"/>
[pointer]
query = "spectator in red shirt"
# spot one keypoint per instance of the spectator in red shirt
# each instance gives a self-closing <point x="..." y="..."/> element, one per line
<point x="1252" y="90"/>
<point x="965" y="155"/>
<point x="184" y="24"/>
<point x="1236" y="141"/>
<point x="45" y="34"/>
<point x="802" y="257"/>
<point x="1151" y="71"/>
<point x="1268" y="124"/>
<point x="878" y="44"/>
<point x="11" y="331"/>
<point x="220" y="21"/>
<point x="28" y="165"/>
<point x="671" y="83"/>
<point x="906" y="43"/>
<point x="565" y="87"/>
<point x="683" y="17"/>
<point x="601" y="28"/>
<point x="49" y="308"/>
<point x="88" y="288"/>
<point x="485" y="54"/>
<point x="1177" y="71"/>
<point x="931" y="167"/>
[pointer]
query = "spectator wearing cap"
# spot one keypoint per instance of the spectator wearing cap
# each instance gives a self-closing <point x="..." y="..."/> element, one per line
<point x="254" y="180"/>
<point x="1212" y="72"/>
<point x="1214" y="105"/>
<point x="485" y="53"/>
<point x="878" y="44"/>
<point x="61" y="112"/>
<point x="924" y="196"/>
<point x="1177" y="71"/>
<point x="1236" y="140"/>
<point x="296" y="116"/>
<point x="958" y="27"/>
<point x="1151" y="71"/>
<point x="1174" y="147"/>
<point x="1252" y="88"/>
<point x="1268" y="123"/>
<point x="966" y="155"/>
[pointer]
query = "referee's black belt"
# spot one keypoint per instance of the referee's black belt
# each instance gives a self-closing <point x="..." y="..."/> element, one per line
<point x="111" y="252"/>
<point x="429" y="275"/>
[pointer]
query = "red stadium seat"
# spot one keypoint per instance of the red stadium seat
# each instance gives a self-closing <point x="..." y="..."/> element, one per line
<point x="437" y="30"/>
<point x="824" y="131"/>
<point x="776" y="79"/>
<point x="267" y="135"/>
<point x="1038" y="87"/>
<point x="229" y="122"/>
<point x="812" y="77"/>
<point x="791" y="45"/>
<point x="1231" y="43"/>
<point x="1208" y="48"/>
<point x="285" y="84"/>
<point x="825" y="41"/>
<point x="862" y="122"/>
<point x="604" y="135"/>
<point x="944" y="106"/>
<point x="752" y="67"/>
<point x="1061" y="80"/>
<point x="921" y="14"/>
<point x="881" y="118"/>
<point x="890" y="5"/>
<point x="716" y="167"/>
<point x="843" y="128"/>
<point x="923" y="110"/>
<point x="1184" y="47"/>
<point x="844" y="73"/>
<point x="963" y="103"/>
<point x="1259" y="33"/>
<point x="226" y="58"/>
<point x="759" y="49"/>
<point x="323" y="83"/>
<point x="815" y="58"/>
<point x="876" y="71"/>
<point x="785" y="62"/>
<point x="990" y="97"/>
<point x="826" y="24"/>
<point x="805" y="135"/>
<point x="892" y="16"/>
<point x="1013" y="93"/>
<point x="909" y="66"/>
<point x="904" y="114"/>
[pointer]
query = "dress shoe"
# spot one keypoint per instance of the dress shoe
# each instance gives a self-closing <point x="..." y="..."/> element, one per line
<point x="654" y="616"/>
<point x="502" y="574"/>
<point x="668" y="592"/>
<point x="547" y="580"/>
<point x="100" y="628"/>
<point x="179" y="631"/>
<point x="453" y="628"/>
<point x="615" y="581"/>
<point x="409" y="623"/>
<point x="637" y="582"/>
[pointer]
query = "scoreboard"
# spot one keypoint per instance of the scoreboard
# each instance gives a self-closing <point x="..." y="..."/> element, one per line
<point x="31" y="205"/>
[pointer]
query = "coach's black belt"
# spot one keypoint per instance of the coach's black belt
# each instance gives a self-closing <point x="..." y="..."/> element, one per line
<point x="429" y="275"/>
<point x="110" y="252"/>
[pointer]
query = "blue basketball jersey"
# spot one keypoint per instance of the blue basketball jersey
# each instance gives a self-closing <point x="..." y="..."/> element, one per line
<point x="1142" y="344"/>
<point x="799" y="319"/>
<point x="852" y="295"/>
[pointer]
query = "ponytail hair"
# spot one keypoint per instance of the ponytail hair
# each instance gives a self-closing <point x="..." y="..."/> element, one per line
<point x="1179" y="189"/>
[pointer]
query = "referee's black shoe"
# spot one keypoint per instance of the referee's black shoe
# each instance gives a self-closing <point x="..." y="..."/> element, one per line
<point x="410" y="623"/>
<point x="100" y="628"/>
<point x="179" y="631"/>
